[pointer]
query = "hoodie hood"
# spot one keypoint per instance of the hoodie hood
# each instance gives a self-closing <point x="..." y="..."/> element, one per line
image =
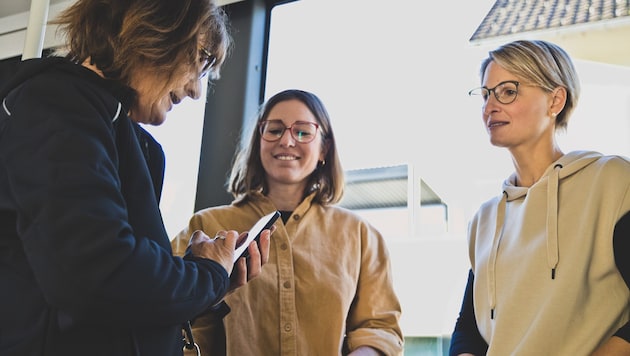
<point x="567" y="165"/>
<point x="30" y="68"/>
<point x="564" y="167"/>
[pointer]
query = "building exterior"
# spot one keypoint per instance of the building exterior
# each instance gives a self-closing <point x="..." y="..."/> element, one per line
<point x="589" y="30"/>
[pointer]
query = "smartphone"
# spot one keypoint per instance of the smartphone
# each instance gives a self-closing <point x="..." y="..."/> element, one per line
<point x="254" y="233"/>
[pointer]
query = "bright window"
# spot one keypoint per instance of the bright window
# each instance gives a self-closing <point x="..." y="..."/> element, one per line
<point x="394" y="76"/>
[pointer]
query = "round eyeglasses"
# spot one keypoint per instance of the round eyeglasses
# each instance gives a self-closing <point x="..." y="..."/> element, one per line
<point x="505" y="92"/>
<point x="207" y="60"/>
<point x="301" y="131"/>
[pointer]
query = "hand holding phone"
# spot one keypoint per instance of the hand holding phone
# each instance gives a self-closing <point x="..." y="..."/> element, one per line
<point x="253" y="234"/>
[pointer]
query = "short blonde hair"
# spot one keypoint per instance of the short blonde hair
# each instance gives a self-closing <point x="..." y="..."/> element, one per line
<point x="541" y="63"/>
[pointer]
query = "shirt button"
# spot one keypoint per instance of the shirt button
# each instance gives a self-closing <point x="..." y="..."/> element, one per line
<point x="296" y="217"/>
<point x="287" y="284"/>
<point x="284" y="246"/>
<point x="288" y="327"/>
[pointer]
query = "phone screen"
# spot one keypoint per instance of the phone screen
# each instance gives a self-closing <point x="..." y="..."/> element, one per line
<point x="254" y="233"/>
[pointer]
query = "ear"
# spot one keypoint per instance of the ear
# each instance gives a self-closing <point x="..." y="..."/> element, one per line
<point x="558" y="100"/>
<point x="324" y="151"/>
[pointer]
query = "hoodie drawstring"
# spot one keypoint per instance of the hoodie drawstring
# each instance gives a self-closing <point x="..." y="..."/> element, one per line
<point x="4" y="106"/>
<point x="498" y="233"/>
<point x="552" y="219"/>
<point x="118" y="110"/>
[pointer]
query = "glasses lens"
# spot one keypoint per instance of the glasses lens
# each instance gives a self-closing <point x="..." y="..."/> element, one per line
<point x="506" y="92"/>
<point x="272" y="130"/>
<point x="304" y="131"/>
<point x="483" y="92"/>
<point x="206" y="60"/>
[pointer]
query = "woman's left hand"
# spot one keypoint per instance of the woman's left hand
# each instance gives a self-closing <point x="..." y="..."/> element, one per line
<point x="246" y="269"/>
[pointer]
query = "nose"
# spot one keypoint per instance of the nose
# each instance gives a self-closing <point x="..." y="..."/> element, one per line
<point x="193" y="88"/>
<point x="287" y="139"/>
<point x="489" y="105"/>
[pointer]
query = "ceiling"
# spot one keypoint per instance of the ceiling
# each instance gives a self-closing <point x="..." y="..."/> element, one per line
<point x="12" y="7"/>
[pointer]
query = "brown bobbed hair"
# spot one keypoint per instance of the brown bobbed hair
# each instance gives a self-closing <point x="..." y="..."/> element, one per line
<point x="121" y="36"/>
<point x="248" y="174"/>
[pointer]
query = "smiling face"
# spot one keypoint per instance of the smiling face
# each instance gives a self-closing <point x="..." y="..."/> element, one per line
<point x="157" y="95"/>
<point x="287" y="162"/>
<point x="527" y="122"/>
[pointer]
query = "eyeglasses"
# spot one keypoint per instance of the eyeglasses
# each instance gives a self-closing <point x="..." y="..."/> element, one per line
<point x="505" y="92"/>
<point x="301" y="131"/>
<point x="207" y="60"/>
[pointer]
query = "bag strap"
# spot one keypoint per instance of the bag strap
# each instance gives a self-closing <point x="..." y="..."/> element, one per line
<point x="189" y="340"/>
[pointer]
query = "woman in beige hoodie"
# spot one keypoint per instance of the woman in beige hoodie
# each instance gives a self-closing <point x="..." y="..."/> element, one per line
<point x="548" y="256"/>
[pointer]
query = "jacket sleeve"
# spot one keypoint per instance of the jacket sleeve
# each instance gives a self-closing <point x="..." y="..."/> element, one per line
<point x="621" y="246"/>
<point x="466" y="337"/>
<point x="87" y="259"/>
<point x="374" y="316"/>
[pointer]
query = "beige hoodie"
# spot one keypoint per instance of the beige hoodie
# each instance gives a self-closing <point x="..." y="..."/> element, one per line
<point x="546" y="282"/>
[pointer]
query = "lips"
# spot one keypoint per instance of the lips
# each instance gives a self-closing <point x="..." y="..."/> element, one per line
<point x="285" y="157"/>
<point x="494" y="123"/>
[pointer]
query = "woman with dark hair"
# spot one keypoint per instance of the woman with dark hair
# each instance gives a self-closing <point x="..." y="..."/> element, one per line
<point x="327" y="288"/>
<point x="86" y="266"/>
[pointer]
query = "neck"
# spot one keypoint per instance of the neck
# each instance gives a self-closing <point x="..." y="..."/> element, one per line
<point x="87" y="64"/>
<point x="530" y="167"/>
<point x="286" y="197"/>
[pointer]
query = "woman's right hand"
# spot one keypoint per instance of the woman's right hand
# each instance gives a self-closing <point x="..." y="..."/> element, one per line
<point x="219" y="249"/>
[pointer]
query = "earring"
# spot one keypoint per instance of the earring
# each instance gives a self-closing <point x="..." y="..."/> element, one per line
<point x="554" y="114"/>
<point x="322" y="163"/>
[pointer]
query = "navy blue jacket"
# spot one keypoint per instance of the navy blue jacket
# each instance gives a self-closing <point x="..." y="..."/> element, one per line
<point x="85" y="262"/>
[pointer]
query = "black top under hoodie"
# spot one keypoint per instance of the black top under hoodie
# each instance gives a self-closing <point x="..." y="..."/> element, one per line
<point x="85" y="262"/>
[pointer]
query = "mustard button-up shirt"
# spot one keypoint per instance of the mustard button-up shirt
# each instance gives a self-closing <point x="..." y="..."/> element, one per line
<point x="326" y="290"/>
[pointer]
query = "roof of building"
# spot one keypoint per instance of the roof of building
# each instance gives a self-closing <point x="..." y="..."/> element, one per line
<point x="385" y="187"/>
<point x="510" y="17"/>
